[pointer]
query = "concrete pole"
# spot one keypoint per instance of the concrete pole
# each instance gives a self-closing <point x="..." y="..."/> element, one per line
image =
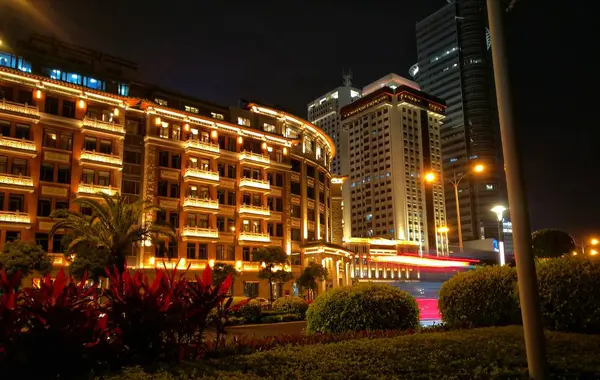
<point x="458" y="222"/>
<point x="528" y="289"/>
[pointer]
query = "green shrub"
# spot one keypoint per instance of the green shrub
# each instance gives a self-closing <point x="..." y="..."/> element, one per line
<point x="291" y="305"/>
<point x="480" y="298"/>
<point x="251" y="311"/>
<point x="570" y="293"/>
<point x="362" y="307"/>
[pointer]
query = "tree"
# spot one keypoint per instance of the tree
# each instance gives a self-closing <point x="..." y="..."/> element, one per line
<point x="551" y="243"/>
<point x="86" y="259"/>
<point x="26" y="257"/>
<point x="272" y="257"/>
<point x="114" y="226"/>
<point x="308" y="279"/>
<point x="221" y="271"/>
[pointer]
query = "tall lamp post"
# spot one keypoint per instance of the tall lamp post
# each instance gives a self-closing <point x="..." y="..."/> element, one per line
<point x="455" y="181"/>
<point x="499" y="211"/>
<point x="527" y="279"/>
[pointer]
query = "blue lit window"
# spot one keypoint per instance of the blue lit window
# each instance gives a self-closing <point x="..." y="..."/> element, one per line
<point x="7" y="60"/>
<point x="391" y="230"/>
<point x="453" y="159"/>
<point x="353" y="184"/>
<point x="71" y="78"/>
<point x="24" y="65"/>
<point x="54" y="74"/>
<point x="93" y="83"/>
<point x="369" y="217"/>
<point x="473" y="157"/>
<point x="123" y="89"/>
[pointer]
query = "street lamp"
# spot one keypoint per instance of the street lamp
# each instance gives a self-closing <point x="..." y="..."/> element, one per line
<point x="593" y="242"/>
<point x="455" y="181"/>
<point x="499" y="211"/>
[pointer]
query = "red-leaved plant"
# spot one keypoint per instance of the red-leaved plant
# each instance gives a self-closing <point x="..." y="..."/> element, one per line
<point x="10" y="321"/>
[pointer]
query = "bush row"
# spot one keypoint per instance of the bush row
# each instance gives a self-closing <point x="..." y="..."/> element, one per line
<point x="569" y="290"/>
<point x="284" y="309"/>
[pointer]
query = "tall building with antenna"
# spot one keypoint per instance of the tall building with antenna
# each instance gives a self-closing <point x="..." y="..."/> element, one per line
<point x="324" y="112"/>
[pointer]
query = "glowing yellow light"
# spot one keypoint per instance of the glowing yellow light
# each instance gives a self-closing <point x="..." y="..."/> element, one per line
<point x="478" y="168"/>
<point x="214" y="134"/>
<point x="116" y="112"/>
<point x="595" y="241"/>
<point x="211" y="263"/>
<point x="264" y="145"/>
<point x="443" y="229"/>
<point x="285" y="151"/>
<point x="232" y="228"/>
<point x="238" y="265"/>
<point x="593" y="252"/>
<point x="38" y="94"/>
<point x="429" y="177"/>
<point x="574" y="253"/>
<point x="152" y="260"/>
<point x="157" y="121"/>
<point x="81" y="103"/>
<point x="240" y="140"/>
<point x="186" y="127"/>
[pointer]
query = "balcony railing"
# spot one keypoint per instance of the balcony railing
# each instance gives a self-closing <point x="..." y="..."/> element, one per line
<point x="200" y="232"/>
<point x="255" y="183"/>
<point x="255" y="236"/>
<point x="201" y="174"/>
<point x="85" y="188"/>
<point x="256" y="210"/>
<point x="21" y="144"/>
<point x="202" y="146"/>
<point x="201" y="203"/>
<point x="255" y="158"/>
<point x="14" y="217"/>
<point x="103" y="125"/>
<point x="16" y="180"/>
<point x="19" y="108"/>
<point x="101" y="158"/>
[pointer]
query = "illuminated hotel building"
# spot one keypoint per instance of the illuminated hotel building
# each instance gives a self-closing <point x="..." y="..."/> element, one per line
<point x="324" y="112"/>
<point x="393" y="136"/>
<point x="230" y="180"/>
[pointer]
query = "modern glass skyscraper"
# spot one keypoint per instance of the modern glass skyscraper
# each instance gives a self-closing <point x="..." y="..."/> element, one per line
<point x="455" y="64"/>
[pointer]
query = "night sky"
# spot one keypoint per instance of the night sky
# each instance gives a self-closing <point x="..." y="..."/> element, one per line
<point x="290" y="52"/>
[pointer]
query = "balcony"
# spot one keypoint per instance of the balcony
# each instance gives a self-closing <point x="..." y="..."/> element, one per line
<point x="200" y="204"/>
<point x="258" y="237"/>
<point x="103" y="127"/>
<point x="93" y="158"/>
<point x="21" y="147"/>
<point x="254" y="184"/>
<point x="91" y="190"/>
<point x="15" y="219"/>
<point x="255" y="159"/>
<point x="199" y="233"/>
<point x="201" y="175"/>
<point x="16" y="182"/>
<point x="22" y="111"/>
<point x="202" y="147"/>
<point x="255" y="210"/>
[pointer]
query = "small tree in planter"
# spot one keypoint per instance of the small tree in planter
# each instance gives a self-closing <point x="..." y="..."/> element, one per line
<point x="272" y="257"/>
<point x="308" y="279"/>
<point x="26" y="257"/>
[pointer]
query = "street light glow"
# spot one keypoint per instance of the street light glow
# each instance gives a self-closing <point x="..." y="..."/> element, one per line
<point x="595" y="241"/>
<point x="478" y="168"/>
<point x="499" y="210"/>
<point x="593" y="252"/>
<point x="429" y="177"/>
<point x="443" y="229"/>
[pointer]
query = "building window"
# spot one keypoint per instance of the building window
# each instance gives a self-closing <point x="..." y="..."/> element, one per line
<point x="243" y="121"/>
<point x="15" y="202"/>
<point x="89" y="143"/>
<point x="57" y="243"/>
<point x="296" y="211"/>
<point x="176" y="161"/>
<point x="231" y="198"/>
<point x="12" y="236"/>
<point x="104" y="178"/>
<point x="19" y="167"/>
<point x="218" y="116"/>
<point x="250" y="289"/>
<point x="41" y="239"/>
<point x="246" y="254"/>
<point x="163" y="159"/>
<point x="174" y="190"/>
<point x="231" y="171"/>
<point x="51" y="105"/>
<point x="190" y="251"/>
<point x="162" y="188"/>
<point x="161" y="102"/>
<point x="279" y="230"/>
<point x="174" y="219"/>
<point x="295" y="188"/>
<point x="44" y="207"/>
<point x="123" y="89"/>
<point x="220" y="252"/>
<point x="202" y="252"/>
<point x="163" y="130"/>
<point x="191" y="109"/>
<point x="296" y="234"/>
<point x="22" y="131"/>
<point x="269" y="127"/>
<point x="68" y="109"/>
<point x="47" y="172"/>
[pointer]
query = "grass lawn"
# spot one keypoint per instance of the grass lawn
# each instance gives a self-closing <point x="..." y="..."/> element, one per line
<point x="485" y="353"/>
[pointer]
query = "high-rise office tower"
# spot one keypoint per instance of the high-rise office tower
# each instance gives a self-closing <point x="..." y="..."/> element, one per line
<point x="324" y="112"/>
<point x="455" y="65"/>
<point x="393" y="135"/>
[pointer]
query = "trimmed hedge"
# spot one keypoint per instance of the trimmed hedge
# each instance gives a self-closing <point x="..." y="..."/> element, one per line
<point x="276" y="318"/>
<point x="290" y="305"/>
<point x="251" y="311"/>
<point x="487" y="353"/>
<point x="363" y="307"/>
<point x="480" y="298"/>
<point x="570" y="293"/>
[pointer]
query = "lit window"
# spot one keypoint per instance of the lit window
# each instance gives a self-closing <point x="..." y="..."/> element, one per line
<point x="453" y="159"/>
<point x="71" y="78"/>
<point x="93" y="83"/>
<point x="161" y="102"/>
<point x="243" y="121"/>
<point x="335" y="95"/>
<point x="123" y="89"/>
<point x="218" y="116"/>
<point x="473" y="157"/>
<point x="54" y="74"/>
<point x="24" y="65"/>
<point x="354" y="94"/>
<point x="6" y="60"/>
<point x="191" y="109"/>
<point x="269" y="127"/>
<point x="489" y="187"/>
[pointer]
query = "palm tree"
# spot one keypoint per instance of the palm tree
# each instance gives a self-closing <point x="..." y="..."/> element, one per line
<point x="114" y="225"/>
